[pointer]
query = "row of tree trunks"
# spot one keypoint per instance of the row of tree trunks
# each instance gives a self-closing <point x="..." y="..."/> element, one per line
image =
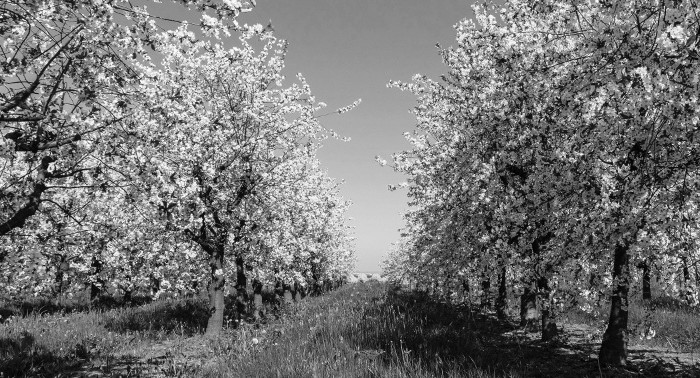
<point x="285" y="293"/>
<point x="688" y="287"/>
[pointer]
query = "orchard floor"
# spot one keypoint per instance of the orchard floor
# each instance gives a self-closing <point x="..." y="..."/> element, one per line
<point x="360" y="330"/>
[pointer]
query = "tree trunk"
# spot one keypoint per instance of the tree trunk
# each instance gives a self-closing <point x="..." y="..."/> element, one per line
<point x="127" y="297"/>
<point x="61" y="270"/>
<point x="485" y="291"/>
<point x="433" y="289"/>
<point x="317" y="288"/>
<point x="34" y="200"/>
<point x="465" y="288"/>
<point x="502" y="299"/>
<point x="613" y="350"/>
<point x="155" y="285"/>
<point x="528" y="308"/>
<point x="688" y="289"/>
<point x="241" y="289"/>
<point x="216" y="291"/>
<point x="549" y="324"/>
<point x="297" y="292"/>
<point x="257" y="299"/>
<point x="646" y="280"/>
<point x="279" y="293"/>
<point x="287" y="294"/>
<point x="97" y="283"/>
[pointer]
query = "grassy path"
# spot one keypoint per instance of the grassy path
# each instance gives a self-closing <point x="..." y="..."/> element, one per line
<point x="360" y="330"/>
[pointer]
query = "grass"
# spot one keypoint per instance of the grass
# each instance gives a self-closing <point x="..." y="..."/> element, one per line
<point x="50" y="339"/>
<point x="662" y="322"/>
<point x="39" y="344"/>
<point x="361" y="330"/>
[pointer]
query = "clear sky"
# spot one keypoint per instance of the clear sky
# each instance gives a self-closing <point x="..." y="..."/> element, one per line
<point x="350" y="49"/>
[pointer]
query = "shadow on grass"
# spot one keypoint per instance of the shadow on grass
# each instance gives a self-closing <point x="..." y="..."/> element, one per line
<point x="446" y="339"/>
<point x="64" y="305"/>
<point x="24" y="358"/>
<point x="188" y="317"/>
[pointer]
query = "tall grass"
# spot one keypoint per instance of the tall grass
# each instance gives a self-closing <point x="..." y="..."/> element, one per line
<point x="361" y="330"/>
<point x="662" y="323"/>
<point x="42" y="343"/>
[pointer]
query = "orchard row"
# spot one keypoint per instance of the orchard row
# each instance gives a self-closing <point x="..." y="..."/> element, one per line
<point x="559" y="157"/>
<point x="144" y="155"/>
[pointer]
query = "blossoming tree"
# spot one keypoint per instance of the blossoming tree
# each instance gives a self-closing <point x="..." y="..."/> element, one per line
<point x="565" y="132"/>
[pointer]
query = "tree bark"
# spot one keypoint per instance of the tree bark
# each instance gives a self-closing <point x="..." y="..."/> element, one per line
<point x="613" y="350"/>
<point x="433" y="288"/>
<point x="97" y="284"/>
<point x="528" y="308"/>
<point x="465" y="288"/>
<point x="216" y="291"/>
<point x="155" y="285"/>
<point x="549" y="324"/>
<point x="502" y="299"/>
<point x="688" y="291"/>
<point x="34" y="199"/>
<point x="646" y="280"/>
<point x="317" y="288"/>
<point x="127" y="297"/>
<point x="279" y="292"/>
<point x="297" y="292"/>
<point x="303" y="289"/>
<point x="288" y="299"/>
<point x="61" y="270"/>
<point x="485" y="291"/>
<point x="241" y="289"/>
<point x="257" y="299"/>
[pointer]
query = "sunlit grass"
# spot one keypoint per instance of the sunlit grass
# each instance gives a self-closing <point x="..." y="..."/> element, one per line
<point x="38" y="344"/>
<point x="361" y="330"/>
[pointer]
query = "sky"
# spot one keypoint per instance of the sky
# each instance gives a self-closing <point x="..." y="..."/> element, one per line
<point x="350" y="49"/>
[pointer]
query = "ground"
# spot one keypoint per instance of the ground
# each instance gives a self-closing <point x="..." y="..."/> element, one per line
<point x="361" y="330"/>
